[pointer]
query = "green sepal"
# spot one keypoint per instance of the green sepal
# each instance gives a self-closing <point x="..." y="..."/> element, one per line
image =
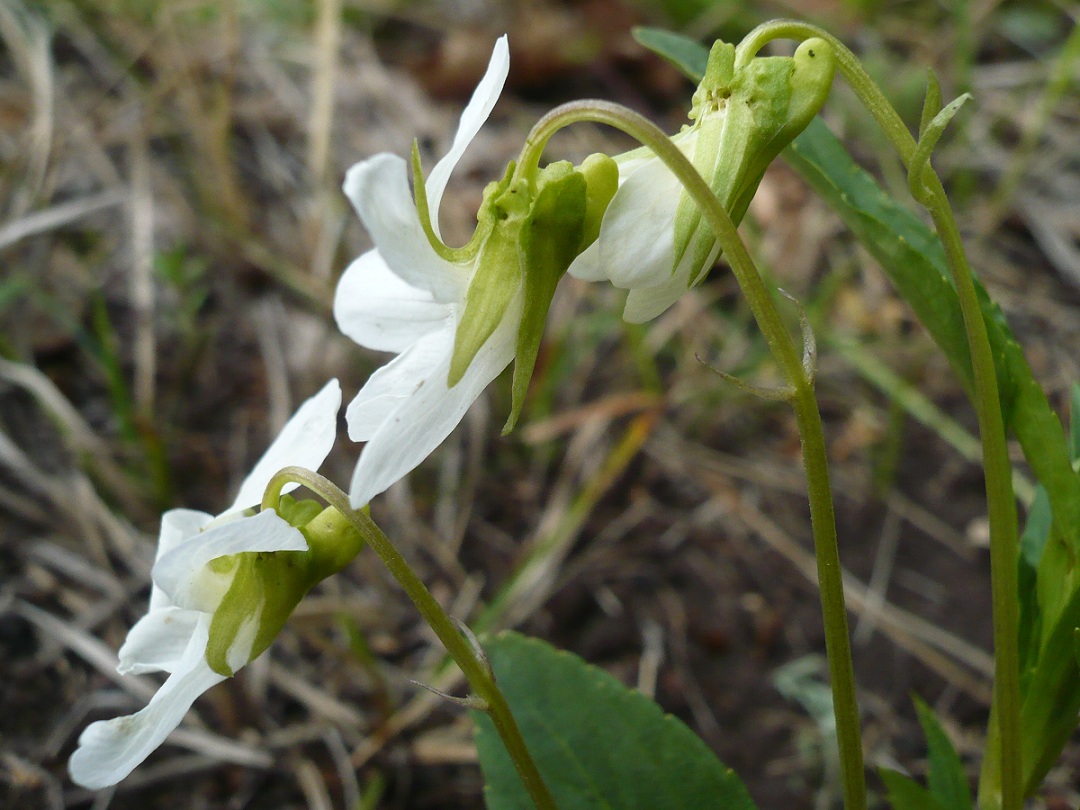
<point x="550" y="241"/>
<point x="297" y="513"/>
<point x="497" y="275"/>
<point x="745" y="115"/>
<point x="932" y="101"/>
<point x="601" y="174"/>
<point x="266" y="586"/>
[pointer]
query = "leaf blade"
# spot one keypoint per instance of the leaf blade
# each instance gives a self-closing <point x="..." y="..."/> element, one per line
<point x="597" y="743"/>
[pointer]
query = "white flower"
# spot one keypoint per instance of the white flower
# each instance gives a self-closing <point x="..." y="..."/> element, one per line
<point x="653" y="240"/>
<point x="191" y="581"/>
<point x="407" y="297"/>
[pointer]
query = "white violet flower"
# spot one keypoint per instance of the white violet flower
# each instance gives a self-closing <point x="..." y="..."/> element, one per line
<point x="455" y="317"/>
<point x="215" y="605"/>
<point x="653" y="240"/>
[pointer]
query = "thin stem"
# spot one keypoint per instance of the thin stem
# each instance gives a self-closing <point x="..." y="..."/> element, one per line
<point x="476" y="670"/>
<point x="1001" y="782"/>
<point x="788" y="357"/>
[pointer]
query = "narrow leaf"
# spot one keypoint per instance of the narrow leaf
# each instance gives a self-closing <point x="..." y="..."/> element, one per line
<point x="907" y="794"/>
<point x="687" y="55"/>
<point x="948" y="782"/>
<point x="913" y="258"/>
<point x="1074" y="422"/>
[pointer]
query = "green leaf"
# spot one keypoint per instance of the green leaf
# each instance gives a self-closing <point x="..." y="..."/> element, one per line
<point x="948" y="782"/>
<point x="907" y="794"/>
<point x="686" y="54"/>
<point x="1074" y="422"/>
<point x="1032" y="542"/>
<point x="596" y="743"/>
<point x="912" y="256"/>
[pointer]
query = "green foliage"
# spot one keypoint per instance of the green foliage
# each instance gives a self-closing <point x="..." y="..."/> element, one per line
<point x="596" y="743"/>
<point x="686" y="54"/>
<point x="907" y="794"/>
<point x="948" y="784"/>
<point x="913" y="258"/>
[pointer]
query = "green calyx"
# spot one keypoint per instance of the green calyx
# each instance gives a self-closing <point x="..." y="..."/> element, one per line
<point x="265" y="587"/>
<point x="744" y="115"/>
<point x="551" y="238"/>
<point x="497" y="275"/>
<point x="601" y="182"/>
<point x="533" y="229"/>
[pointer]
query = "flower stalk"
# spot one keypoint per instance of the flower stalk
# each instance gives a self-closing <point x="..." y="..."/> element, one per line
<point x="476" y="671"/>
<point x="1001" y="782"/>
<point x="802" y="399"/>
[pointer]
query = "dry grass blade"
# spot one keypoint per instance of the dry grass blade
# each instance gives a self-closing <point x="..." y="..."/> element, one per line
<point x="59" y="215"/>
<point x="27" y="40"/>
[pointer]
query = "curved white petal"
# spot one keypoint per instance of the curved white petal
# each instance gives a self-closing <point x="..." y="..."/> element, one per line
<point x="305" y="441"/>
<point x="183" y="572"/>
<point x="476" y="112"/>
<point x="425" y="417"/>
<point x="379" y="190"/>
<point x="110" y="749"/>
<point x="586" y="265"/>
<point x="157" y="641"/>
<point x="645" y="303"/>
<point x="391" y="385"/>
<point x="637" y="235"/>
<point x="375" y="308"/>
<point x="177" y="525"/>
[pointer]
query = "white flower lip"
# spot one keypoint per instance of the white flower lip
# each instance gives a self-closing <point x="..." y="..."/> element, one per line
<point x="172" y="637"/>
<point x="635" y="250"/>
<point x="403" y="297"/>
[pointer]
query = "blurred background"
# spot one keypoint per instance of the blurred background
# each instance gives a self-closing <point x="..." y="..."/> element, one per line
<point x="171" y="230"/>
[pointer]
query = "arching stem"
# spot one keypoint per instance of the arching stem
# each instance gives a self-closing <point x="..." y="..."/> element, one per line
<point x="1001" y="781"/>
<point x="789" y="359"/>
<point x="475" y="669"/>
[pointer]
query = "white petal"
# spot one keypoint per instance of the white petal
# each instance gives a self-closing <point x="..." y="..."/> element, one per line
<point x="109" y="750"/>
<point x="157" y="641"/>
<point x="426" y="416"/>
<point x="374" y="307"/>
<point x="379" y="190"/>
<point x="305" y="441"/>
<point x="472" y="118"/>
<point x="637" y="236"/>
<point x="177" y="525"/>
<point x="183" y="572"/>
<point x="587" y="265"/>
<point x="645" y="303"/>
<point x="391" y="385"/>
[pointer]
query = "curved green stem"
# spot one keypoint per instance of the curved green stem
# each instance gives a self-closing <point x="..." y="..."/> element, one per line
<point x="789" y="359"/>
<point x="1001" y="782"/>
<point x="476" y="670"/>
